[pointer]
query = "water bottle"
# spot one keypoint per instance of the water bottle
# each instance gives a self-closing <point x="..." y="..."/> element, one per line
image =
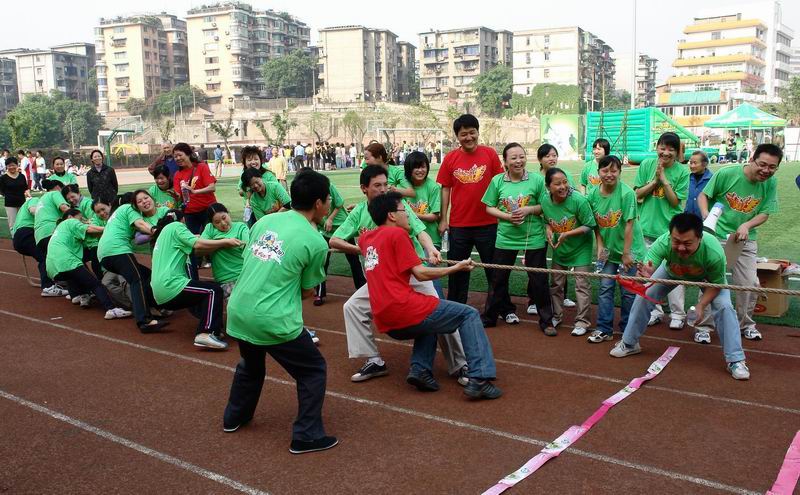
<point x="602" y="258"/>
<point x="446" y="241"/>
<point x="710" y="223"/>
<point x="248" y="213"/>
<point x="185" y="192"/>
<point x="514" y="204"/>
<point x="691" y="316"/>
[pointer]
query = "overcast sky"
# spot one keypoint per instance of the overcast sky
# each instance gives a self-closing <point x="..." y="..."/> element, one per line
<point x="51" y="22"/>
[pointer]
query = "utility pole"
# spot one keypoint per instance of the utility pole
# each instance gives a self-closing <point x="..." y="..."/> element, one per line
<point x="72" y="134"/>
<point x="634" y="61"/>
<point x="180" y="105"/>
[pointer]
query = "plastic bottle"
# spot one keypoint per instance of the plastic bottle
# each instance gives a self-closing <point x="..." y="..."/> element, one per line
<point x="185" y="192"/>
<point x="691" y="316"/>
<point x="602" y="258"/>
<point x="248" y="213"/>
<point x="446" y="241"/>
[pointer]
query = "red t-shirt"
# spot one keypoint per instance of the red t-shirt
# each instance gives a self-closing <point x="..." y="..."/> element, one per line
<point x="468" y="175"/>
<point x="389" y="257"/>
<point x="198" y="177"/>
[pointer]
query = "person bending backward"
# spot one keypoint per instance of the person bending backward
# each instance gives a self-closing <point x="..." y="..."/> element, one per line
<point x="513" y="198"/>
<point x="357" y="312"/>
<point x="620" y="243"/>
<point x="375" y="154"/>
<point x="22" y="239"/>
<point x="283" y="262"/>
<point x="685" y="253"/>
<point x="226" y="263"/>
<point x="172" y="288"/>
<point x="72" y="194"/>
<point x="265" y="197"/>
<point x="661" y="185"/>
<point x="465" y="175"/>
<point x="749" y="195"/>
<point x="590" y="177"/>
<point x="162" y="191"/>
<point x="568" y="228"/>
<point x="48" y="211"/>
<point x="391" y="261"/>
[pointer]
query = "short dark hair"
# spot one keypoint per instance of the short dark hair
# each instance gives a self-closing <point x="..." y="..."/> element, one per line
<point x="71" y="212"/>
<point x="309" y="187"/>
<point x="684" y="222"/>
<point x="602" y="143"/>
<point x="161" y="170"/>
<point x="608" y="161"/>
<point x="545" y="150"/>
<point x="215" y="208"/>
<point x="168" y="218"/>
<point x="670" y="140"/>
<point x="414" y="160"/>
<point x="249" y="174"/>
<point x="380" y="207"/>
<point x="49" y="184"/>
<point x="11" y="159"/>
<point x="186" y="150"/>
<point x="370" y="172"/>
<point x="377" y="150"/>
<point x="100" y="201"/>
<point x="509" y="146"/>
<point x="466" y="121"/>
<point x="53" y="161"/>
<point x="770" y="149"/>
<point x="70" y="188"/>
<point x="548" y="176"/>
<point x="248" y="151"/>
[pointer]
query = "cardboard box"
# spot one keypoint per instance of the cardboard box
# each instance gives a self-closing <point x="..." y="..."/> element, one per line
<point x="770" y="274"/>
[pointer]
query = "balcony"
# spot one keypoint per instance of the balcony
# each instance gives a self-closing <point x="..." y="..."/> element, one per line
<point x="722" y="59"/>
<point x="723" y="25"/>
<point x="724" y="76"/>
<point x="747" y="40"/>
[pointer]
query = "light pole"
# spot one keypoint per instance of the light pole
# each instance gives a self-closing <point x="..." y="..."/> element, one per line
<point x="634" y="62"/>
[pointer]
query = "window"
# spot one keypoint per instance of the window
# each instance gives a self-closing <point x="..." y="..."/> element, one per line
<point x="146" y="42"/>
<point x="547" y="73"/>
<point x="210" y="47"/>
<point x="528" y="90"/>
<point x="208" y="18"/>
<point x="121" y="67"/>
<point x="527" y="41"/>
<point x="119" y="29"/>
<point x="547" y="56"/>
<point x="715" y="35"/>
<point x="528" y="58"/>
<point x="213" y="86"/>
<point x="147" y="55"/>
<point x="120" y="55"/>
<point x="212" y="60"/>
<point x="527" y="74"/>
<point x="210" y="33"/>
<point x="546" y="39"/>
<point x="212" y="72"/>
<point x="123" y="94"/>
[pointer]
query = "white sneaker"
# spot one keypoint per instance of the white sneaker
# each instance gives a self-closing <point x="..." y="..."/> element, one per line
<point x="313" y="335"/>
<point x="739" y="370"/>
<point x="569" y="303"/>
<point x="74" y="300"/>
<point x="86" y="301"/>
<point x="675" y="324"/>
<point x="654" y="320"/>
<point x="532" y="310"/>
<point x="702" y="337"/>
<point x="512" y="319"/>
<point x="622" y="350"/>
<point x="752" y="334"/>
<point x="53" y="291"/>
<point x="556" y="322"/>
<point x="113" y="314"/>
<point x="597" y="336"/>
<point x="578" y="331"/>
<point x="209" y="341"/>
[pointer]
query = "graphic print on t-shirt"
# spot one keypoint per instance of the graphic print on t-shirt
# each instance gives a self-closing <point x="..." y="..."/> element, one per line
<point x="684" y="270"/>
<point x="564" y="225"/>
<point x="420" y="208"/>
<point x="470" y="175"/>
<point x="511" y="203"/>
<point x="371" y="258"/>
<point x="595" y="180"/>
<point x="363" y="230"/>
<point x="742" y="205"/>
<point x="609" y="220"/>
<point x="268" y="247"/>
<point x="658" y="191"/>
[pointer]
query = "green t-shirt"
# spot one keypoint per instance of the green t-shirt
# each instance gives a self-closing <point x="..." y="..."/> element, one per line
<point x="65" y="251"/>
<point x="227" y="263"/>
<point x="506" y="195"/>
<point x="266" y="176"/>
<point x="359" y="221"/>
<point x="655" y="211"/>
<point x="571" y="214"/>
<point x="742" y="199"/>
<point x="336" y="202"/>
<point x="590" y="176"/>
<point x="275" y="196"/>
<point x="47" y="214"/>
<point x="65" y="179"/>
<point x="428" y="199"/>
<point x="118" y="234"/>
<point x="397" y="177"/>
<point x="285" y="255"/>
<point x="707" y="263"/>
<point x="24" y="216"/>
<point x="170" y="257"/>
<point x="91" y="241"/>
<point x="612" y="213"/>
<point x="570" y="180"/>
<point x="85" y="207"/>
<point x="162" y="198"/>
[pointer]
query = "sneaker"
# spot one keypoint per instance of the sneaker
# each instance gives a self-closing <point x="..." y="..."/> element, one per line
<point x="313" y="335"/>
<point x="463" y="379"/>
<point x="739" y="370"/>
<point x="152" y="326"/>
<point x="113" y="314"/>
<point x="482" y="389"/>
<point x="578" y="331"/>
<point x="569" y="303"/>
<point x="370" y="370"/>
<point x="423" y="380"/>
<point x="676" y="324"/>
<point x="488" y="322"/>
<point x="550" y="331"/>
<point x="598" y="336"/>
<point x="512" y="319"/>
<point x="232" y="428"/>
<point x="210" y="341"/>
<point x="318" y="301"/>
<point x="75" y="300"/>
<point x="54" y="291"/>
<point x="301" y="447"/>
<point x="556" y="322"/>
<point x="622" y="350"/>
<point x="702" y="337"/>
<point x="532" y="310"/>
<point x="752" y="334"/>
<point x="86" y="300"/>
<point x="654" y="320"/>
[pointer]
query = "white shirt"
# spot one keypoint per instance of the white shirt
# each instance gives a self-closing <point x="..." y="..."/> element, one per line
<point x="353" y="152"/>
<point x="24" y="164"/>
<point x="41" y="166"/>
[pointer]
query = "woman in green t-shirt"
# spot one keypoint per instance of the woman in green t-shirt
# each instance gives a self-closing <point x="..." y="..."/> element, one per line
<point x="60" y="172"/>
<point x="264" y="197"/>
<point x="226" y="264"/>
<point x="72" y="194"/>
<point x="48" y="211"/>
<point x="162" y="191"/>
<point x="252" y="159"/>
<point x="568" y="229"/>
<point x="590" y="177"/>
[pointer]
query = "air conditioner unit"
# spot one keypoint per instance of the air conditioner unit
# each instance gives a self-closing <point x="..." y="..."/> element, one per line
<point x="213" y="24"/>
<point x="204" y="52"/>
<point x="228" y="46"/>
<point x="216" y="38"/>
<point x="227" y="32"/>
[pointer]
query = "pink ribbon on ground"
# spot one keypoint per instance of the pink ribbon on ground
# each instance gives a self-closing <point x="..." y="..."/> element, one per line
<point x="790" y="470"/>
<point x="560" y="444"/>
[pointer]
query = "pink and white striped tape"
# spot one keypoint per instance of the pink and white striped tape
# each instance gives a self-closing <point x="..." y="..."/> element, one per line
<point x="790" y="470"/>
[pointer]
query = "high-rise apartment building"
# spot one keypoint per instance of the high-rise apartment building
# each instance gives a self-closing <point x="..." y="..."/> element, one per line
<point x="9" y="96"/>
<point x="43" y="71"/>
<point x="452" y="59"/>
<point x="646" y="68"/>
<point x="87" y="50"/>
<point x="407" y="82"/>
<point x="794" y="62"/>
<point x="567" y="55"/>
<point x="230" y="41"/>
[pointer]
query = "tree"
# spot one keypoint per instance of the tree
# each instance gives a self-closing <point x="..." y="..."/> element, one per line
<point x="225" y="130"/>
<point x="422" y="116"/>
<point x="263" y="130"/>
<point x="789" y="105"/>
<point x="290" y="76"/>
<point x="356" y="125"/>
<point x="137" y="106"/>
<point x="5" y="134"/>
<point x="615" y="100"/>
<point x="80" y="120"/>
<point x="493" y="88"/>
<point x="282" y="124"/>
<point x="321" y="125"/>
<point x="389" y="120"/>
<point x="547" y="99"/>
<point x="53" y="120"/>
<point x="171" y="102"/>
<point x="165" y="128"/>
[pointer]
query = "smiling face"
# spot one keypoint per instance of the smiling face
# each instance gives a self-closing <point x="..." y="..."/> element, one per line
<point x="12" y="168"/>
<point x="221" y="221"/>
<point x="257" y="185"/>
<point x="468" y="138"/>
<point x="549" y="160"/>
<point x="252" y="161"/>
<point x="515" y="161"/>
<point x="666" y="155"/>
<point x="696" y="165"/>
<point x="97" y="158"/>
<point x="609" y="175"/>
<point x="420" y="173"/>
<point x="182" y="159"/>
<point x="144" y="203"/>
<point x="102" y="210"/>
<point x="559" y="187"/>
<point x="765" y="166"/>
<point x="73" y="198"/>
<point x="167" y="150"/>
<point x="162" y="181"/>
<point x="58" y="166"/>
<point x="598" y="152"/>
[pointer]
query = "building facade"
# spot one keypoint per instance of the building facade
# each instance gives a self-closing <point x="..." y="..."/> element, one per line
<point x="452" y="59"/>
<point x="9" y="93"/>
<point x="568" y="56"/>
<point x="43" y="71"/>
<point x="794" y="63"/>
<point x="407" y="80"/>
<point x="646" y="69"/>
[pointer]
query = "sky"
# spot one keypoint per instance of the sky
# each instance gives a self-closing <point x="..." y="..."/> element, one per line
<point x="659" y="24"/>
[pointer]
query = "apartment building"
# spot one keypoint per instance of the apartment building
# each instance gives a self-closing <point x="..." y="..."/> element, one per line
<point x="407" y="83"/>
<point x="87" y="50"/>
<point x="794" y="62"/>
<point x="566" y="55"/>
<point x="230" y="41"/>
<point x="9" y="96"/>
<point x="646" y="69"/>
<point x="452" y="59"/>
<point x="43" y="71"/>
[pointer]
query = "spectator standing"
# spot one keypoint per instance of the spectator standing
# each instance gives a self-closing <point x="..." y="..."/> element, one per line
<point x="219" y="158"/>
<point x="166" y="159"/>
<point x="40" y="171"/>
<point x="202" y="153"/>
<point x="14" y="189"/>
<point x="299" y="156"/>
<point x="101" y="179"/>
<point x="25" y="167"/>
<point x="278" y="166"/>
<point x="352" y="155"/>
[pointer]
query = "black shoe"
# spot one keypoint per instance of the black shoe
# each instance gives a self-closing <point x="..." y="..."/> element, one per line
<point x="231" y="428"/>
<point x="319" y="301"/>
<point x="482" y="389"/>
<point x="369" y="370"/>
<point x="153" y="327"/>
<point x="301" y="447"/>
<point x="489" y="322"/>
<point x="423" y="380"/>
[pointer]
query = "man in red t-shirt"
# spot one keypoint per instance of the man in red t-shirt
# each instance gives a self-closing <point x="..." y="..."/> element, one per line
<point x="403" y="313"/>
<point x="465" y="174"/>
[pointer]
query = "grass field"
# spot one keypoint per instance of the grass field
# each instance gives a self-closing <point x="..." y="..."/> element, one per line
<point x="777" y="238"/>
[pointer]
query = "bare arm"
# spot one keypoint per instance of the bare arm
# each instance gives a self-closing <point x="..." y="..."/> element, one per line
<point x="445" y="209"/>
<point x="344" y="246"/>
<point x="702" y="203"/>
<point x="424" y="273"/>
<point x="498" y="213"/>
<point x="143" y="227"/>
<point x="207" y="246"/>
<point x="94" y="230"/>
<point x="669" y="193"/>
<point x="208" y="189"/>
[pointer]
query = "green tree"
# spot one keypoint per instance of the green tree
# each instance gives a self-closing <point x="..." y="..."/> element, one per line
<point x="137" y="106"/>
<point x="282" y="124"/>
<point x="789" y="105"/>
<point x="422" y="116"/>
<point x="493" y="88"/>
<point x="171" y="102"/>
<point x="388" y="121"/>
<point x="79" y="120"/>
<point x="165" y="128"/>
<point x="547" y="99"/>
<point x="290" y="76"/>
<point x="5" y="134"/>
<point x="263" y="130"/>
<point x="356" y="125"/>
<point x="35" y="123"/>
<point x="615" y="100"/>
<point x="321" y="125"/>
<point x="224" y="129"/>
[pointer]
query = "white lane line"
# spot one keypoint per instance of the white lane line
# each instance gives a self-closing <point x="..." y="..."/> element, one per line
<point x="186" y="466"/>
<point x="419" y="414"/>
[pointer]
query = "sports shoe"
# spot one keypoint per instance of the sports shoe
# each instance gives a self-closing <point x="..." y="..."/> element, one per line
<point x="152" y="326"/>
<point x="313" y="335"/>
<point x="54" y="291"/>
<point x="598" y="336"/>
<point x="113" y="314"/>
<point x="654" y="320"/>
<point x="739" y="370"/>
<point x="752" y="334"/>
<point x="463" y="379"/>
<point x="232" y="428"/>
<point x="482" y="389"/>
<point x="301" y="447"/>
<point x="569" y="303"/>
<point x="556" y="322"/>
<point x="370" y="370"/>
<point x="676" y="324"/>
<point x="318" y="301"/>
<point x="423" y="380"/>
<point x="512" y="319"/>
<point x="210" y="341"/>
<point x="578" y="331"/>
<point x="551" y="331"/>
<point x="86" y="300"/>
<point x="622" y="350"/>
<point x="75" y="300"/>
<point x="702" y="337"/>
<point x="206" y="265"/>
<point x="532" y="310"/>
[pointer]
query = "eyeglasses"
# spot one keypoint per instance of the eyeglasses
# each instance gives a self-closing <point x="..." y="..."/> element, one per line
<point x="768" y="166"/>
<point x="400" y="211"/>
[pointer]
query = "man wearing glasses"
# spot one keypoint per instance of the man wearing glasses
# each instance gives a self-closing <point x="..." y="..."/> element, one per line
<point x="749" y="195"/>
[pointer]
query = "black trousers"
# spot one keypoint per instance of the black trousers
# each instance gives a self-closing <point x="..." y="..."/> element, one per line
<point x="90" y="256"/>
<point x="303" y="361"/>
<point x="80" y="281"/>
<point x="355" y="269"/>
<point x="204" y="300"/>
<point x="538" y="287"/>
<point x="25" y="244"/>
<point x="462" y="240"/>
<point x="195" y="222"/>
<point x="138" y="278"/>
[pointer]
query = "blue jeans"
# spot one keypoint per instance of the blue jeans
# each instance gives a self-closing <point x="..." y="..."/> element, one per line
<point x="725" y="318"/>
<point x="605" y="300"/>
<point x="447" y="318"/>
